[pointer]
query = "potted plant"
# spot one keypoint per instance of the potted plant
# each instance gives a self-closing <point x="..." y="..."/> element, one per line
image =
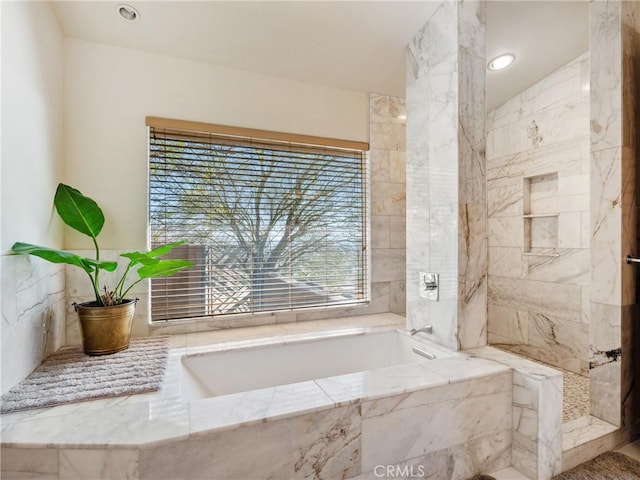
<point x="106" y="321"/>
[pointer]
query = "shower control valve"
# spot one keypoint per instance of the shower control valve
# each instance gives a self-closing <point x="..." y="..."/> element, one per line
<point x="429" y="286"/>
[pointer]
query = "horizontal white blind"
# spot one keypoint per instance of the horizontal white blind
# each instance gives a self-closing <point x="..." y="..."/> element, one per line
<point x="270" y="225"/>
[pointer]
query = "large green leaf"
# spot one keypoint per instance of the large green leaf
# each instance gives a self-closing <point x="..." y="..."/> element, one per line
<point x="108" y="266"/>
<point x="149" y="258"/>
<point x="54" y="256"/>
<point x="139" y="257"/>
<point x="163" y="250"/>
<point x="164" y="268"/>
<point x="78" y="211"/>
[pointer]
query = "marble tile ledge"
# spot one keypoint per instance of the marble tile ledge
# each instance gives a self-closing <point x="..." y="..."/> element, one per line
<point x="587" y="437"/>
<point x="519" y="364"/>
<point x="274" y="332"/>
<point x="583" y="430"/>
<point x="165" y="416"/>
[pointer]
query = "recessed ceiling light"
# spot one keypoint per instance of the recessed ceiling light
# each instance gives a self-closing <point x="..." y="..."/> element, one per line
<point x="127" y="12"/>
<point x="402" y="117"/>
<point x="501" y="61"/>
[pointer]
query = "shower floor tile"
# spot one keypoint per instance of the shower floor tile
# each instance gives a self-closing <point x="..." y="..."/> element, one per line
<point x="575" y="396"/>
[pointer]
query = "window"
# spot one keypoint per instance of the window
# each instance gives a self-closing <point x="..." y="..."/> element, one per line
<point x="272" y="221"/>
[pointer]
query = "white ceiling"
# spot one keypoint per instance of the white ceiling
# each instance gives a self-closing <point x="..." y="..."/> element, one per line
<point x="544" y="36"/>
<point x="350" y="44"/>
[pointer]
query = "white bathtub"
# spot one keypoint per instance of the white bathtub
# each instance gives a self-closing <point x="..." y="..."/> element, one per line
<point x="239" y="370"/>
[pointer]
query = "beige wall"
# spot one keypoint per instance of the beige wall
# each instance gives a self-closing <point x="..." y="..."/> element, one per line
<point x="32" y="291"/>
<point x="109" y="91"/>
<point x="31" y="123"/>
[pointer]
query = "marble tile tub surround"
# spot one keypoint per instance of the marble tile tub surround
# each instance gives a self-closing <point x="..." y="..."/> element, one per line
<point x="446" y="204"/>
<point x="278" y="431"/>
<point x="538" y="163"/>
<point x="536" y="448"/>
<point x="33" y="315"/>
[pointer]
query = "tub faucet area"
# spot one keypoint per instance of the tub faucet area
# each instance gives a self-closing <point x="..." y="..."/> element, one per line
<point x="425" y="329"/>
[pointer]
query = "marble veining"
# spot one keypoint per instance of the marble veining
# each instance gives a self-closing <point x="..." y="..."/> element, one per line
<point x="33" y="319"/>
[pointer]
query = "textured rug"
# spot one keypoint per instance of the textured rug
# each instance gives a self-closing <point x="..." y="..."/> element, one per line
<point x="70" y="376"/>
<point x="482" y="476"/>
<point x="608" y="466"/>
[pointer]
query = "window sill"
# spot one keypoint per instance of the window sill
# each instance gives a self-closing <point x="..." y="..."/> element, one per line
<point x="194" y="338"/>
<point x="230" y="322"/>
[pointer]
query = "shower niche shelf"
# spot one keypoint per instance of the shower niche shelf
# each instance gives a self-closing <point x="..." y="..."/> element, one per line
<point x="540" y="215"/>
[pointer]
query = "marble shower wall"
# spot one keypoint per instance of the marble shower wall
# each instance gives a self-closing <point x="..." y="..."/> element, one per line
<point x="446" y="204"/>
<point x="538" y="164"/>
<point x="33" y="315"/>
<point x="614" y="53"/>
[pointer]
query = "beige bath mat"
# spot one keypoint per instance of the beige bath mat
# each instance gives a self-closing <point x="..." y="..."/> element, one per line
<point x="70" y="376"/>
<point x="608" y="466"/>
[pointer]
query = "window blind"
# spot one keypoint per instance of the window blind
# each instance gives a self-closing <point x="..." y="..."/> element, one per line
<point x="270" y="225"/>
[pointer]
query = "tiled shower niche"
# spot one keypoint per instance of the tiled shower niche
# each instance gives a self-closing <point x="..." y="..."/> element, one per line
<point x="540" y="215"/>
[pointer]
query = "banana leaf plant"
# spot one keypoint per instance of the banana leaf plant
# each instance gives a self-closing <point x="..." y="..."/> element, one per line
<point x="84" y="215"/>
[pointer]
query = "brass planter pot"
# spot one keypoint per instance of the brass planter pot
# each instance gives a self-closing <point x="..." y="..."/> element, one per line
<point x="105" y="330"/>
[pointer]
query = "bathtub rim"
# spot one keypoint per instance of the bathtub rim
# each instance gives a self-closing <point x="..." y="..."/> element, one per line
<point x="295" y="339"/>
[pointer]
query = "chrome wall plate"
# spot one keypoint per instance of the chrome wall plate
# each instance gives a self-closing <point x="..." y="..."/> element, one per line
<point x="429" y="286"/>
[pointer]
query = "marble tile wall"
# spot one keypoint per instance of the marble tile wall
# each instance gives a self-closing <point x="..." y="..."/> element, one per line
<point x="614" y="53"/>
<point x="33" y="315"/>
<point x="446" y="207"/>
<point x="538" y="163"/>
<point x="387" y="146"/>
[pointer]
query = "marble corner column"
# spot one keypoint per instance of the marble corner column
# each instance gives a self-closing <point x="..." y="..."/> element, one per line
<point x="614" y="50"/>
<point x="446" y="188"/>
